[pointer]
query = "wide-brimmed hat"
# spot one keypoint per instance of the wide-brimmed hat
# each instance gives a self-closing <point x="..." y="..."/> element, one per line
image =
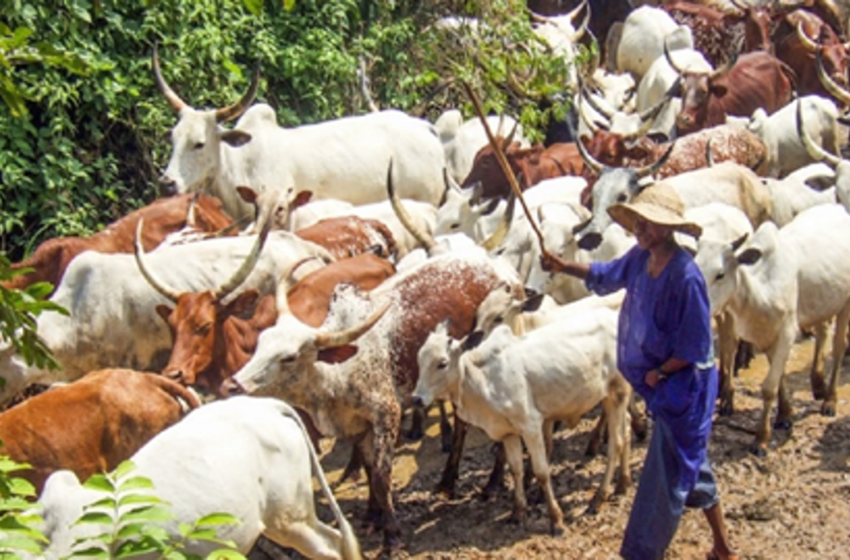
<point x="659" y="204"/>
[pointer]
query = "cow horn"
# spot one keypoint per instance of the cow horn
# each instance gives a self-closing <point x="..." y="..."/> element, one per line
<point x="815" y="151"/>
<point x="709" y="159"/>
<point x="347" y="336"/>
<point x="166" y="90"/>
<point x="510" y="137"/>
<point x="723" y="70"/>
<point x="230" y="112"/>
<point x="833" y="88"/>
<point x="451" y="184"/>
<point x="805" y="40"/>
<point x="670" y="59"/>
<point x="653" y="168"/>
<point x="740" y="6"/>
<point x="287" y="283"/>
<point x="501" y="232"/>
<point x="191" y="219"/>
<point x="581" y="29"/>
<point x="139" y="253"/>
<point x="501" y="126"/>
<point x="593" y="126"/>
<point x="604" y="111"/>
<point x="651" y="113"/>
<point x="245" y="269"/>
<point x="589" y="161"/>
<point x="421" y="237"/>
<point x="538" y="18"/>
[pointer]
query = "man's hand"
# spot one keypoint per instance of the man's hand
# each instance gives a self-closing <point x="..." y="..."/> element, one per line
<point x="550" y="263"/>
<point x="652" y="378"/>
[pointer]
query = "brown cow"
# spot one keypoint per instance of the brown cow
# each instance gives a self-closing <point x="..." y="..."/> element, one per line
<point x="529" y="165"/>
<point x="798" y="37"/>
<point x="163" y="216"/>
<point x="348" y="236"/>
<point x="92" y="424"/>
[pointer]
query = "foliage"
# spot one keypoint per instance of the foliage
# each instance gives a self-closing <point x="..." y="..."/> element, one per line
<point x="18" y="310"/>
<point x="94" y="136"/>
<point x="19" y="517"/>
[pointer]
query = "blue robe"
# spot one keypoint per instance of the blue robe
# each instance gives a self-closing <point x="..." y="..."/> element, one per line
<point x="662" y="318"/>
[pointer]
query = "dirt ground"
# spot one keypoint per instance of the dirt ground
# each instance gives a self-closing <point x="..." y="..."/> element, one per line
<point x="795" y="503"/>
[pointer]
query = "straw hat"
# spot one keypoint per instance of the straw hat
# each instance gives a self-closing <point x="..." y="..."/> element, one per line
<point x="659" y="204"/>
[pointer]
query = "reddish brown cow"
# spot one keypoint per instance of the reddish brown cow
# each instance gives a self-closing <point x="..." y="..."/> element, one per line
<point x="530" y="166"/>
<point x="347" y="236"/>
<point x="718" y="34"/>
<point x="162" y="217"/>
<point x="93" y="424"/>
<point x="755" y="80"/>
<point x="798" y="37"/>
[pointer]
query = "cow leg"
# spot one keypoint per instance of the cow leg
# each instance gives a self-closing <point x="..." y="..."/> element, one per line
<point x="446" y="486"/>
<point x="839" y="346"/>
<point x="728" y="343"/>
<point x="372" y="519"/>
<point x="816" y="375"/>
<point x="497" y="476"/>
<point x="385" y="435"/>
<point x="536" y="445"/>
<point x="594" y="444"/>
<point x="778" y="357"/>
<point x="513" y="452"/>
<point x="355" y="463"/>
<point x="445" y="429"/>
<point x="616" y="409"/>
<point x="548" y="437"/>
<point x="417" y="423"/>
<point x="638" y="418"/>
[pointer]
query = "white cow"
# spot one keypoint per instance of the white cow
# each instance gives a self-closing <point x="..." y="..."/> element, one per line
<point x="785" y="150"/>
<point x="462" y="139"/>
<point x="345" y="158"/>
<point x="642" y="39"/>
<point x="783" y="280"/>
<point x="112" y="319"/>
<point x="515" y="388"/>
<point x="249" y="457"/>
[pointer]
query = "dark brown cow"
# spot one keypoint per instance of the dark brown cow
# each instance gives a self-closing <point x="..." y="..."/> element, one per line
<point x="91" y="425"/>
<point x="348" y="236"/>
<point x="530" y="166"/>
<point x="718" y="34"/>
<point x="755" y="80"/>
<point x="162" y="217"/>
<point x="798" y="37"/>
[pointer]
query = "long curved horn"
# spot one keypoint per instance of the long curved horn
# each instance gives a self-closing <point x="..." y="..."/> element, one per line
<point x="589" y="160"/>
<point x="833" y="88"/>
<point x="653" y="168"/>
<point x="498" y="236"/>
<point x="420" y="236"/>
<point x="247" y="266"/>
<point x="641" y="131"/>
<point x="670" y="59"/>
<point x="232" y="111"/>
<point x="723" y="70"/>
<point x="709" y="159"/>
<point x="593" y="126"/>
<point x="451" y="184"/>
<point x="815" y="151"/>
<point x="191" y="220"/>
<point x="538" y="18"/>
<point x="604" y="111"/>
<point x="139" y="253"/>
<point x="349" y="335"/>
<point x="166" y="90"/>
<point x="571" y="15"/>
<point x="652" y="112"/>
<point x="510" y="137"/>
<point x="287" y="283"/>
<point x="581" y="29"/>
<point x="805" y="40"/>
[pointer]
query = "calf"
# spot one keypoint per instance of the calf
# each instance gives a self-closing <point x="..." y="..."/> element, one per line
<point x="245" y="456"/>
<point x="164" y="216"/>
<point x="784" y="280"/>
<point x="515" y="388"/>
<point x="91" y="425"/>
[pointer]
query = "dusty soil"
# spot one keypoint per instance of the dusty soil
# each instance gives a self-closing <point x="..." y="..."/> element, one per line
<point x="795" y="503"/>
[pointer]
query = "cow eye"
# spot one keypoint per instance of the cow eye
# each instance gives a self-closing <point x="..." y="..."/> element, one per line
<point x="622" y="198"/>
<point x="198" y="146"/>
<point x="455" y="226"/>
<point x="720" y="275"/>
<point x="498" y="320"/>
<point x="443" y="364"/>
<point x="287" y="359"/>
<point x="204" y="329"/>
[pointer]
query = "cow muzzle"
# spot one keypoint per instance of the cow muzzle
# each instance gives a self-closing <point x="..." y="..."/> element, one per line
<point x="590" y="241"/>
<point x="167" y="185"/>
<point x="232" y="388"/>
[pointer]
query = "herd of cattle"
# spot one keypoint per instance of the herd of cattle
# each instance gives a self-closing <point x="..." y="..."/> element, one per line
<point x="393" y="272"/>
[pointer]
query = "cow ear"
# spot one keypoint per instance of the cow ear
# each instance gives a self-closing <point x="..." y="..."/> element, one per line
<point x="718" y="90"/>
<point x="337" y="354"/>
<point x="749" y="256"/>
<point x="532" y="304"/>
<point x="243" y="303"/>
<point x="302" y="198"/>
<point x="472" y="341"/>
<point x="247" y="194"/>
<point x="820" y="182"/>
<point x="164" y="311"/>
<point x="235" y="138"/>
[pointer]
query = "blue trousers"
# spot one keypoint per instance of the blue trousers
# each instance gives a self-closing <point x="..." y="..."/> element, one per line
<point x="661" y="498"/>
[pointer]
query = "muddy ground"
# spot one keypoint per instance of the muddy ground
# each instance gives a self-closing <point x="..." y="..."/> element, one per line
<point x="795" y="503"/>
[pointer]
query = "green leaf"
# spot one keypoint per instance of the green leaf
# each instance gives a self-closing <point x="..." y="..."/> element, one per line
<point x="99" y="482"/>
<point x="225" y="554"/>
<point x="95" y="517"/>
<point x="135" y="483"/>
<point x="214" y="519"/>
<point x="254" y="6"/>
<point x="288" y="5"/>
<point x="125" y="468"/>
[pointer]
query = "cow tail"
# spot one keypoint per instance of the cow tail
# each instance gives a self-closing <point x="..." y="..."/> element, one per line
<point x="176" y="390"/>
<point x="350" y="545"/>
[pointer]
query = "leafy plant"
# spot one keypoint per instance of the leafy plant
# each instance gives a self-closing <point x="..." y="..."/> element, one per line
<point x="19" y="516"/>
<point x="129" y="517"/>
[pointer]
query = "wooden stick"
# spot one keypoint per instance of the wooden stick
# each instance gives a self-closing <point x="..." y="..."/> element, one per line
<point x="503" y="162"/>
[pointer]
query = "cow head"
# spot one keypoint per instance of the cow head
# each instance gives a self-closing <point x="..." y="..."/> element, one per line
<point x="196" y="321"/>
<point x="830" y="52"/>
<point x="486" y="169"/>
<point x="758" y="24"/>
<point x="439" y="369"/>
<point x="719" y="262"/>
<point x="696" y="90"/>
<point x="197" y="138"/>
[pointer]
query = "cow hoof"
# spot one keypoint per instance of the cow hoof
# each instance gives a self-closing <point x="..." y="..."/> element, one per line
<point x="558" y="530"/>
<point x="415" y="435"/>
<point x="444" y="489"/>
<point x="491" y="490"/>
<point x="784" y="424"/>
<point x="828" y="408"/>
<point x="726" y="408"/>
<point x="758" y="451"/>
<point x="393" y="548"/>
<point x="818" y="388"/>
